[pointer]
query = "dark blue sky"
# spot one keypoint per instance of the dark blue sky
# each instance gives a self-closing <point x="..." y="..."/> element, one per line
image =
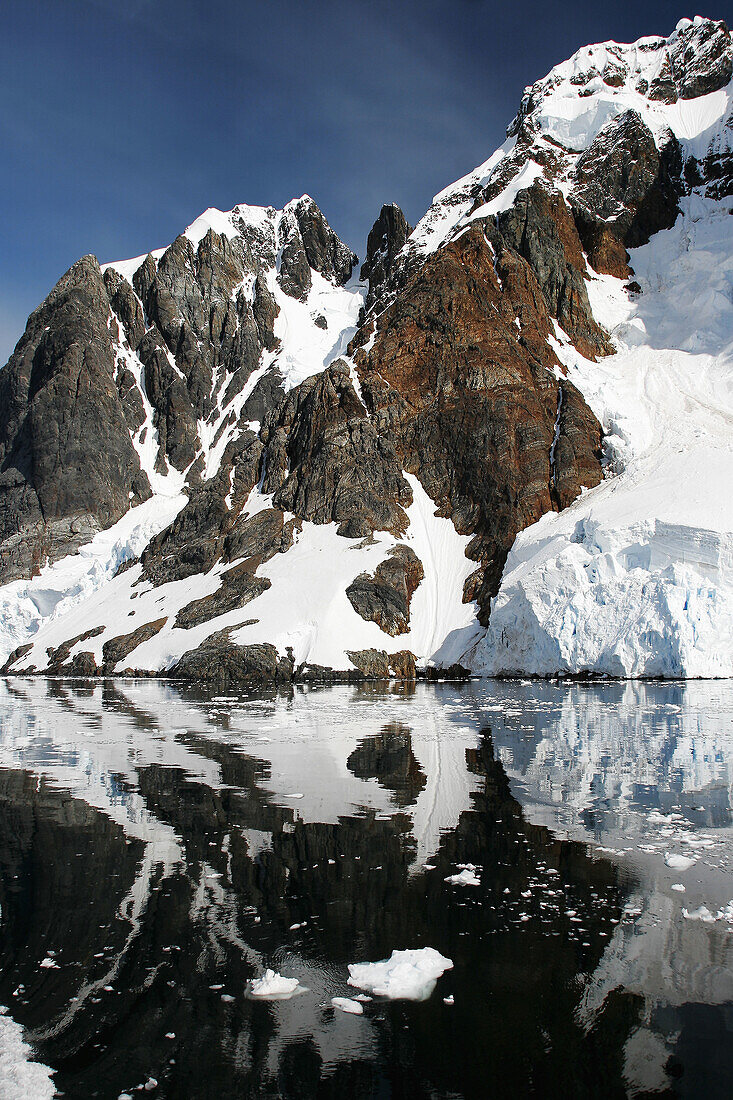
<point x="121" y="120"/>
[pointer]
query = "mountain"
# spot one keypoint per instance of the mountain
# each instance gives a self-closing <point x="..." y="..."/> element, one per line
<point x="504" y="442"/>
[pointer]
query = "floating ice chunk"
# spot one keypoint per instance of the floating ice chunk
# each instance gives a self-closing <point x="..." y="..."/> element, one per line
<point x="20" y="1075"/>
<point x="274" y="987"/>
<point x="49" y="964"/>
<point x="702" y="913"/>
<point x="345" y="1004"/>
<point x="406" y="975"/>
<point x="449" y="1000"/>
<point x="464" y="878"/>
<point x="678" y="862"/>
<point x="678" y="887"/>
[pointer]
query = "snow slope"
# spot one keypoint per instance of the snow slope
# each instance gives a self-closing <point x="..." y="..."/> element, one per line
<point x="306" y="607"/>
<point x="49" y="598"/>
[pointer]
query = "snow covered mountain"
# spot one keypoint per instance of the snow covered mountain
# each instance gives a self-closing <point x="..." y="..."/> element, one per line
<point x="506" y="443"/>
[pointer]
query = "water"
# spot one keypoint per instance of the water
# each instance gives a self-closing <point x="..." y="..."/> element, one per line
<point x="160" y="848"/>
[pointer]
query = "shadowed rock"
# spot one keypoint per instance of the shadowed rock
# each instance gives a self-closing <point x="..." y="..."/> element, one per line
<point x="386" y="238"/>
<point x="67" y="464"/>
<point x="625" y="190"/>
<point x="328" y="462"/>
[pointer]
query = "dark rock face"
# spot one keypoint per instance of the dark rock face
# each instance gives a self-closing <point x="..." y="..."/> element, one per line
<point x="323" y="249"/>
<point x="258" y="537"/>
<point x="195" y="540"/>
<point x="386" y="238"/>
<point x="237" y="589"/>
<point x="540" y="227"/>
<point x="116" y="649"/>
<point x="701" y="59"/>
<point x="625" y="190"/>
<point x="327" y="462"/>
<point x="265" y="311"/>
<point x="195" y="322"/>
<point x="385" y="597"/>
<point x="468" y="398"/>
<point x="67" y="464"/>
<point x="309" y="242"/>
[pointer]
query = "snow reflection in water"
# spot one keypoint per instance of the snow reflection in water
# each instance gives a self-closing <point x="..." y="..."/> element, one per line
<point x="162" y="848"/>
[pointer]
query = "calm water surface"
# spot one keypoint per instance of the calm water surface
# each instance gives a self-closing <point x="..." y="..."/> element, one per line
<point x="160" y="848"/>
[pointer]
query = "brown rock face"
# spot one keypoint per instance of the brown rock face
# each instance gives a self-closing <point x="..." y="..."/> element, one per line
<point x="625" y="190"/>
<point x="385" y="597"/>
<point x="462" y="381"/>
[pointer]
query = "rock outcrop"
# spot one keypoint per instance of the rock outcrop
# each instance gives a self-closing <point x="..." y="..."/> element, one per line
<point x="386" y="239"/>
<point x="385" y="597"/>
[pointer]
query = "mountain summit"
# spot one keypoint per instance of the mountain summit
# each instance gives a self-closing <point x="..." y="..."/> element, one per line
<point x="504" y="444"/>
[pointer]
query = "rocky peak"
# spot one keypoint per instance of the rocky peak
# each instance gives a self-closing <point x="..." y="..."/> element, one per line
<point x="386" y="238"/>
<point x="307" y="243"/>
<point x="609" y="127"/>
<point x="696" y="59"/>
<point x="132" y="373"/>
<point x="324" y="251"/>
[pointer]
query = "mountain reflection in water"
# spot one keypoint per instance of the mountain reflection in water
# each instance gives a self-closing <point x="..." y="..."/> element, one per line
<point x="159" y="848"/>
